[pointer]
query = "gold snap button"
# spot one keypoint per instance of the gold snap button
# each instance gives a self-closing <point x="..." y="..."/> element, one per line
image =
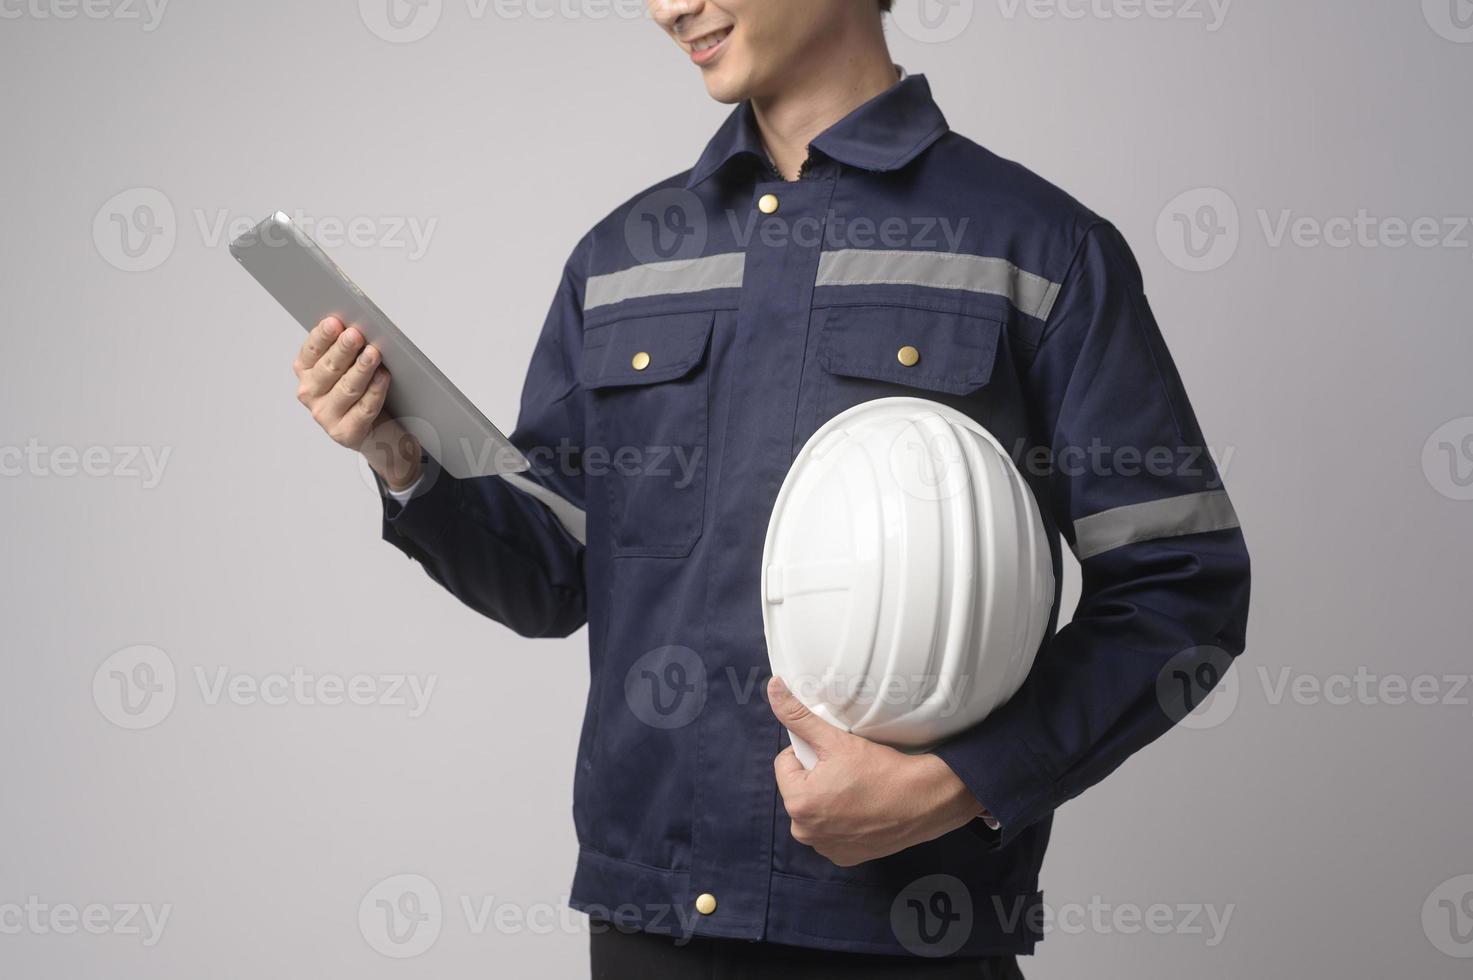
<point x="641" y="361"/>
<point x="908" y="355"/>
<point x="767" y="204"/>
<point x="706" y="904"/>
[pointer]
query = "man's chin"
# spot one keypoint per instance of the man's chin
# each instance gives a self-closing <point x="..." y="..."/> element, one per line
<point x="726" y="89"/>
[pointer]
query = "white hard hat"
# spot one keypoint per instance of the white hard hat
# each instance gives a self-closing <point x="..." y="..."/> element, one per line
<point x="906" y="579"/>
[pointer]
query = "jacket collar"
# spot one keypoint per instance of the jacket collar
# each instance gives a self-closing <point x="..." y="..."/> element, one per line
<point x="884" y="134"/>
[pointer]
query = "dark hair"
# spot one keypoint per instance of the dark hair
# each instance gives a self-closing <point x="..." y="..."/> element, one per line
<point x="885" y="6"/>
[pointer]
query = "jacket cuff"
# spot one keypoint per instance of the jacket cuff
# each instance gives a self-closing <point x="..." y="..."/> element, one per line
<point x="423" y="517"/>
<point x="1006" y="779"/>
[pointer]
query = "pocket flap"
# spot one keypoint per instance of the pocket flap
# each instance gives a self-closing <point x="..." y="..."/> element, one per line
<point x="644" y="350"/>
<point x="948" y="352"/>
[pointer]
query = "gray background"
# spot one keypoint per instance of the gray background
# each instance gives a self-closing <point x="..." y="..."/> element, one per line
<point x="1333" y="375"/>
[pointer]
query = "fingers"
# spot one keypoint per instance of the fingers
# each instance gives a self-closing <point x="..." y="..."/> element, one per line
<point x="786" y="767"/>
<point x="796" y="718"/>
<point x="356" y="423"/>
<point x="341" y="380"/>
<point x="319" y="379"/>
<point x="352" y="386"/>
<point x="319" y="339"/>
<point x="790" y="774"/>
<point x="372" y="402"/>
<point x="353" y="428"/>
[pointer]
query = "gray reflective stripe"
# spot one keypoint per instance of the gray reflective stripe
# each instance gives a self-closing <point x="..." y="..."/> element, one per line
<point x="569" y="515"/>
<point x="1193" y="513"/>
<point x="666" y="279"/>
<point x="1031" y="294"/>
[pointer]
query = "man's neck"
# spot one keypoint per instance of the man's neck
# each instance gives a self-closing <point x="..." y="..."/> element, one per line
<point x="824" y="94"/>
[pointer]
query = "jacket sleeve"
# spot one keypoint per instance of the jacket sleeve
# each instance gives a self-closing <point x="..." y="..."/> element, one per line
<point x="1165" y="573"/>
<point x="493" y="546"/>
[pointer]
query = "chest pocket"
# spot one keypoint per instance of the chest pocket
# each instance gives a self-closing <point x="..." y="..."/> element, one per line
<point x="869" y="352"/>
<point x="649" y="393"/>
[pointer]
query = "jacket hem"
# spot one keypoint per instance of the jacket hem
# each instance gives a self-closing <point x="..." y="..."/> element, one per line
<point x="842" y="917"/>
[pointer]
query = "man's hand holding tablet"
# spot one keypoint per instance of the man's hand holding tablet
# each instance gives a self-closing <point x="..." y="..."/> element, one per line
<point x="342" y="381"/>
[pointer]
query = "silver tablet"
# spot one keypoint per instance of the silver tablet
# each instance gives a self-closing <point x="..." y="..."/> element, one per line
<point x="300" y="276"/>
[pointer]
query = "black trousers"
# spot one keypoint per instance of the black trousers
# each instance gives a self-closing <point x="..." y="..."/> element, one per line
<point x="620" y="955"/>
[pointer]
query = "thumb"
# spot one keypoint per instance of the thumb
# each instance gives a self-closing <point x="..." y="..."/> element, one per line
<point x="798" y="719"/>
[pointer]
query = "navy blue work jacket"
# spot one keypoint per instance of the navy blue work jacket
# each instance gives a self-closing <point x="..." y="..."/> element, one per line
<point x="702" y="332"/>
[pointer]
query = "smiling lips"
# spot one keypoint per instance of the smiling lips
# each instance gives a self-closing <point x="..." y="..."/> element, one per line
<point x="706" y="47"/>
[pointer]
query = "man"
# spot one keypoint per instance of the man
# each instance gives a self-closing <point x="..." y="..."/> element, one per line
<point x="701" y="333"/>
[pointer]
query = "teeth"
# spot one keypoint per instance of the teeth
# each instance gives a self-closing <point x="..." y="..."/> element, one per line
<point x="709" y="41"/>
